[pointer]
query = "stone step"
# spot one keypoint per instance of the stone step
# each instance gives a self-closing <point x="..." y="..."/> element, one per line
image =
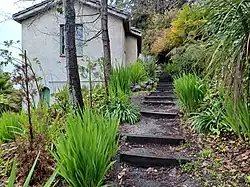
<point x="170" y="103"/>
<point x="159" y="98"/>
<point x="154" y="139"/>
<point x="168" y="115"/>
<point x="144" y="158"/>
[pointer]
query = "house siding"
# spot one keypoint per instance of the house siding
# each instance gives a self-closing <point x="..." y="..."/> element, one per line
<point x="131" y="49"/>
<point x="41" y="39"/>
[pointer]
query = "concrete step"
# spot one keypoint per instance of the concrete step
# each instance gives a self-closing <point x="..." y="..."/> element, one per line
<point x="154" y="139"/>
<point x="160" y="114"/>
<point x="144" y="158"/>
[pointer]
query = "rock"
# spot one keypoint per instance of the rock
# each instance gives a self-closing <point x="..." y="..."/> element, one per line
<point x="137" y="88"/>
<point x="150" y="170"/>
<point x="151" y="83"/>
<point x="173" y="172"/>
<point x="149" y="87"/>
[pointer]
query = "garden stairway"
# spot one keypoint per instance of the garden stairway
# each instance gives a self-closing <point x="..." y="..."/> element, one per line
<point x="155" y="140"/>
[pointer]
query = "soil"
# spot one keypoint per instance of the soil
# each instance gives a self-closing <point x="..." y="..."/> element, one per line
<point x="129" y="176"/>
<point x="187" y="151"/>
<point x="149" y="126"/>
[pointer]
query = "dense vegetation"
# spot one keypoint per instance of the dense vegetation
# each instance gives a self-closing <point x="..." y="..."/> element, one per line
<point x="79" y="145"/>
<point x="206" y="49"/>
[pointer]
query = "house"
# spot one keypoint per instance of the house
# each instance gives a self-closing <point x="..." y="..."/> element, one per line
<point x="43" y="38"/>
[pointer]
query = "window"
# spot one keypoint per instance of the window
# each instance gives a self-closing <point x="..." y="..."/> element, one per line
<point x="79" y="40"/>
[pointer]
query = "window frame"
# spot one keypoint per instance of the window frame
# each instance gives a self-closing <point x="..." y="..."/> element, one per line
<point x="62" y="39"/>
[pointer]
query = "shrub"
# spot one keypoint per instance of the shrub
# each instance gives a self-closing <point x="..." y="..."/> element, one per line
<point x="98" y="96"/>
<point x="47" y="123"/>
<point x="190" y="92"/>
<point x="10" y="125"/>
<point x="151" y="69"/>
<point x="186" y="24"/>
<point x="237" y="116"/>
<point x="10" y="99"/>
<point x="208" y="121"/>
<point x="173" y="69"/>
<point x="126" y="111"/>
<point x="137" y="72"/>
<point x="85" y="152"/>
<point x="61" y="104"/>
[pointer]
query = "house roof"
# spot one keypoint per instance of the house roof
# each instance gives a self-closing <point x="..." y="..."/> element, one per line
<point x="47" y="4"/>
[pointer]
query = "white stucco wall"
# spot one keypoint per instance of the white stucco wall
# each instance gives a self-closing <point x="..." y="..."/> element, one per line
<point x="41" y="39"/>
<point x="131" y="49"/>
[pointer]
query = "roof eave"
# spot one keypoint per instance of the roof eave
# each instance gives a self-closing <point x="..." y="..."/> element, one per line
<point x="40" y="7"/>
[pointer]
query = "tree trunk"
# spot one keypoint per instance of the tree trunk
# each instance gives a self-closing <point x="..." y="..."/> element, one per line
<point x="74" y="84"/>
<point x="105" y="39"/>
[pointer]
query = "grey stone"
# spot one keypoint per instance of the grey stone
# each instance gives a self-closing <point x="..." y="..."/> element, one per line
<point x="149" y="87"/>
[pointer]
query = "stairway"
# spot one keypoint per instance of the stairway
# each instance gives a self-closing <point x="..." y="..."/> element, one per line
<point x="154" y="142"/>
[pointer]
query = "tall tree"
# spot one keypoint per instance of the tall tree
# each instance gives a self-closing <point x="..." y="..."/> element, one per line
<point x="74" y="84"/>
<point x="105" y="38"/>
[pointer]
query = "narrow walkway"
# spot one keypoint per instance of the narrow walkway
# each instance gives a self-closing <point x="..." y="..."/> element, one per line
<point x="152" y="151"/>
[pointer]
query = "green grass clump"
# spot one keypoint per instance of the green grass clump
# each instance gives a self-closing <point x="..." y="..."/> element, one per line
<point x="119" y="83"/>
<point x="137" y="72"/>
<point x="85" y="152"/>
<point x="237" y="116"/>
<point x="11" y="125"/>
<point x="190" y="92"/>
<point x="124" y="109"/>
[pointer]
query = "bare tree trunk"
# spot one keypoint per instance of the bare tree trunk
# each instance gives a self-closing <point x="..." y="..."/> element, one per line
<point x="105" y="39"/>
<point x="74" y="84"/>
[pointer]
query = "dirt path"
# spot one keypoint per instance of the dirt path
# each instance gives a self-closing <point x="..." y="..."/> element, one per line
<point x="152" y="152"/>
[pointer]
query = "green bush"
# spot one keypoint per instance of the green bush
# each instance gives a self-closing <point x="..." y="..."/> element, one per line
<point x="61" y="104"/>
<point x="151" y="69"/>
<point x="237" y="116"/>
<point x="46" y="122"/>
<point x="86" y="150"/>
<point x="173" y="69"/>
<point x="137" y="72"/>
<point x="190" y="91"/>
<point x="98" y="95"/>
<point x="10" y="99"/>
<point x="126" y="111"/>
<point x="11" y="125"/>
<point x="208" y="121"/>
